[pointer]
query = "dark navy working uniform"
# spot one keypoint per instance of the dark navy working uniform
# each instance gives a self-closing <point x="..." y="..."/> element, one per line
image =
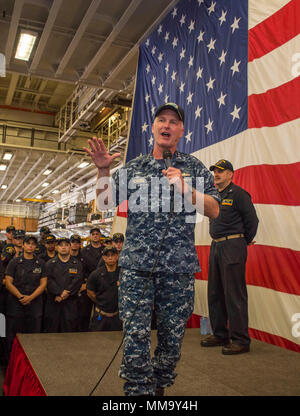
<point x="231" y="231"/>
<point x="62" y="316"/>
<point x="26" y="274"/>
<point x="105" y="285"/>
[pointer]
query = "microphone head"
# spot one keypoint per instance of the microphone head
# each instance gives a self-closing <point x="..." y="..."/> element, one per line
<point x="167" y="154"/>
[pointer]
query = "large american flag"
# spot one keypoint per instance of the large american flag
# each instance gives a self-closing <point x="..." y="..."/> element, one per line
<point x="234" y="67"/>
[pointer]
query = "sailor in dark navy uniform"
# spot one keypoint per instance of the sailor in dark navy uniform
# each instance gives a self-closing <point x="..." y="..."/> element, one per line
<point x="9" y="236"/>
<point x="102" y="288"/>
<point x="84" y="302"/>
<point x="231" y="232"/>
<point x="25" y="281"/>
<point x="64" y="274"/>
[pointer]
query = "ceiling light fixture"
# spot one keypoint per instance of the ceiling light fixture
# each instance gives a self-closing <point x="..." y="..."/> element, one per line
<point x="47" y="172"/>
<point x="83" y="165"/>
<point x="3" y="186"/>
<point x="3" y="167"/>
<point x="56" y="191"/>
<point x="25" y="45"/>
<point x="7" y="156"/>
<point x="39" y="196"/>
<point x="45" y="184"/>
<point x="18" y="200"/>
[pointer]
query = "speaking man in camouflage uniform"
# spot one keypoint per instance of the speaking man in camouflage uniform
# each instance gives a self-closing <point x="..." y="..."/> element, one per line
<point x="170" y="287"/>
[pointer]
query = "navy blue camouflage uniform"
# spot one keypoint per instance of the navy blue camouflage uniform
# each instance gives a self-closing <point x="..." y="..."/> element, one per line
<point x="171" y="288"/>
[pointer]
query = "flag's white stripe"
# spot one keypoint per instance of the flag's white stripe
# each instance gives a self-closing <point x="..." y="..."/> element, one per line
<point x="266" y="145"/>
<point x="274" y="69"/>
<point x="259" y="10"/>
<point x="278" y="226"/>
<point x="269" y="310"/>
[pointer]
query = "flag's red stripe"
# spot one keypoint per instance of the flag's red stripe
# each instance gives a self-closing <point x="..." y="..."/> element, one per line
<point x="276" y="106"/>
<point x="259" y="182"/>
<point x="274" y="339"/>
<point x="270" y="267"/>
<point x="122" y="209"/>
<point x="275" y="30"/>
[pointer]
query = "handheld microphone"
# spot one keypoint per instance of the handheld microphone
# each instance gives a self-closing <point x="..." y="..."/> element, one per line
<point x="167" y="155"/>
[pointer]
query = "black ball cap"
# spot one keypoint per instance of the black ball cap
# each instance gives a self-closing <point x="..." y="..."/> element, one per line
<point x="171" y="106"/>
<point x="18" y="233"/>
<point x="118" y="237"/>
<point x="10" y="228"/>
<point x="109" y="249"/>
<point x="50" y="238"/>
<point x="62" y="239"/>
<point x="223" y="165"/>
<point x="30" y="237"/>
<point x="75" y="238"/>
<point x="45" y="230"/>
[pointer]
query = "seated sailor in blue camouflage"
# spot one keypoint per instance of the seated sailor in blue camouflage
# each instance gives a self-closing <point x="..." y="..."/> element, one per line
<point x="171" y="285"/>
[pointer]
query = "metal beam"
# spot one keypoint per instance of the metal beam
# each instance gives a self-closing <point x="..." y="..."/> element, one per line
<point x="37" y="162"/>
<point x="89" y="15"/>
<point x="45" y="35"/>
<point x="13" y="30"/>
<point x="11" y="89"/>
<point x="16" y="176"/>
<point x="113" y="34"/>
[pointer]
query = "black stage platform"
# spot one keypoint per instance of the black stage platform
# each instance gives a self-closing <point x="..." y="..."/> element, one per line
<point x="70" y="364"/>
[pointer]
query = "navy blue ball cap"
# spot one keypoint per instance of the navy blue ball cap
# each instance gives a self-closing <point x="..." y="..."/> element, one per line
<point x="171" y="106"/>
<point x="223" y="165"/>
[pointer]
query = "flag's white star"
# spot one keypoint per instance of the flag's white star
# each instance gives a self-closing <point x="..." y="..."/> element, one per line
<point x="182" y="53"/>
<point x="221" y="99"/>
<point x="199" y="73"/>
<point x="235" y="112"/>
<point x="160" y="88"/>
<point x="208" y="126"/>
<point x="181" y="88"/>
<point x="153" y="80"/>
<point x="212" y="7"/>
<point x="223" y="17"/>
<point x="166" y="98"/>
<point x="144" y="127"/>
<point x="175" y="41"/>
<point x="153" y="110"/>
<point x="211" y="44"/>
<point x="210" y="84"/>
<point x="147" y="98"/>
<point x="189" y="98"/>
<point x="166" y="36"/>
<point x="174" y="12"/>
<point x="191" y="61"/>
<point x="153" y="50"/>
<point x="188" y="136"/>
<point x="200" y="37"/>
<point x="173" y="75"/>
<point x="192" y="26"/>
<point x="235" y="24"/>
<point x="159" y="29"/>
<point x="222" y="57"/>
<point x="167" y="68"/>
<point x="197" y="112"/>
<point x="151" y="140"/>
<point x="182" y="20"/>
<point x="235" y="67"/>
<point x="160" y="57"/>
<point x="148" y="68"/>
<point x="148" y="42"/>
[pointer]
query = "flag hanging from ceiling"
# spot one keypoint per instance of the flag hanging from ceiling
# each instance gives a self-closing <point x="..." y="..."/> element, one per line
<point x="234" y="66"/>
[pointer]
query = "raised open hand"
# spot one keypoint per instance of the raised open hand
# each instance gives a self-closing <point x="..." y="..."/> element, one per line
<point x="99" y="154"/>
